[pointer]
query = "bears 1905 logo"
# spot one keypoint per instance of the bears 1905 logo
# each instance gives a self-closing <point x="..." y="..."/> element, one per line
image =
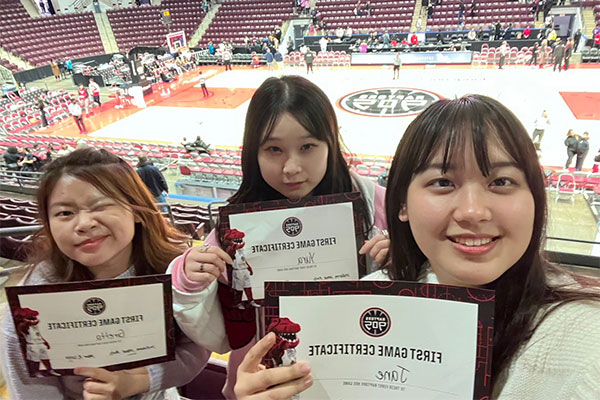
<point x="375" y="322"/>
<point x="388" y="102"/>
<point x="94" y="306"/>
<point x="292" y="226"/>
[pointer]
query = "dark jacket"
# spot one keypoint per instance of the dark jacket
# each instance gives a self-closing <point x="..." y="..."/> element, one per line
<point x="583" y="146"/>
<point x="153" y="178"/>
<point x="571" y="143"/>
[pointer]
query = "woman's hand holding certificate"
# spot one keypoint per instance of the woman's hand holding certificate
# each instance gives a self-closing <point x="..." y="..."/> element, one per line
<point x="204" y="264"/>
<point x="255" y="382"/>
<point x="103" y="384"/>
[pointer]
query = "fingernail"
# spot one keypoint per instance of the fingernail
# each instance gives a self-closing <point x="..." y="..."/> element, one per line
<point x="304" y="368"/>
<point x="308" y="381"/>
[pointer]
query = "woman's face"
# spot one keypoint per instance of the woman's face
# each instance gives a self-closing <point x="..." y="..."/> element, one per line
<point x="91" y="228"/>
<point x="470" y="227"/>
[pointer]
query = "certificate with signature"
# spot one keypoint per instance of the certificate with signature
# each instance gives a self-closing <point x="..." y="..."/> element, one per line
<point x="312" y="239"/>
<point x="384" y="340"/>
<point x="114" y="324"/>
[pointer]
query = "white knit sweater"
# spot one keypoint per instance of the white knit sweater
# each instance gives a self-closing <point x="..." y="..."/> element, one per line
<point x="560" y="362"/>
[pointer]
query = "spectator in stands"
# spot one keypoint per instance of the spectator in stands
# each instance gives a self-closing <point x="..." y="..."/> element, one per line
<point x="348" y="34"/>
<point x="61" y="68"/>
<point x="472" y="35"/>
<point x="309" y="58"/>
<point x="568" y="53"/>
<point x="596" y="36"/>
<point x="540" y="124"/>
<point x="394" y="41"/>
<point x="497" y="30"/>
<point x="290" y="45"/>
<point x="363" y="48"/>
<point x="94" y="90"/>
<point x="277" y="33"/>
<point x="76" y="112"/>
<point x="41" y="105"/>
<point x="30" y="162"/>
<point x="211" y="48"/>
<point x="571" y="143"/>
<point x="65" y="149"/>
<point x="323" y="43"/>
<point x="357" y="9"/>
<point x="368" y="8"/>
<point x="461" y="9"/>
<point x="508" y="32"/>
<point x="385" y="39"/>
<point x="198" y="145"/>
<point x="55" y="70"/>
<point x="576" y="39"/>
<point x="339" y="33"/>
<point x="543" y="53"/>
<point x="552" y="36"/>
<point x="559" y="54"/>
<point x="12" y="158"/>
<point x="430" y="12"/>
<point x="548" y="19"/>
<point x="583" y="147"/>
<point x="526" y="33"/>
<point x="153" y="179"/>
<point x="472" y="8"/>
<point x="414" y="39"/>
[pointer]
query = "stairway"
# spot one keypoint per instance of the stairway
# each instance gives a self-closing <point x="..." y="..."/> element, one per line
<point x="19" y="62"/>
<point x="589" y="21"/>
<point x="106" y="33"/>
<point x="197" y="36"/>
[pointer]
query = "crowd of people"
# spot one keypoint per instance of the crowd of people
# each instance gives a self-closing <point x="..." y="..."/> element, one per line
<point x="465" y="205"/>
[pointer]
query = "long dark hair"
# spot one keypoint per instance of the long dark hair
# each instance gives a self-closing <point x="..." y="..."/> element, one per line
<point x="307" y="103"/>
<point x="448" y="126"/>
<point x="155" y="242"/>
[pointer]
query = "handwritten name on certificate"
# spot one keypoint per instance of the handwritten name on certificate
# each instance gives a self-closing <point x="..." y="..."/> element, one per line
<point x="114" y="324"/>
<point x="398" y="340"/>
<point x="306" y="243"/>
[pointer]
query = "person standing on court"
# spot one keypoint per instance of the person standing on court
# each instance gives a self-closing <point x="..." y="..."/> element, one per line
<point x="559" y="54"/>
<point x="540" y="126"/>
<point x="76" y="112"/>
<point x="203" y="85"/>
<point x="153" y="179"/>
<point x="568" y="53"/>
<point x="309" y="58"/>
<point x="94" y="90"/>
<point x="583" y="146"/>
<point x="571" y="143"/>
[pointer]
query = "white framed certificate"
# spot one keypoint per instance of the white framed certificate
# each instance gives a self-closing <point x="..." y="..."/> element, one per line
<point x="384" y="340"/>
<point x="114" y="324"/>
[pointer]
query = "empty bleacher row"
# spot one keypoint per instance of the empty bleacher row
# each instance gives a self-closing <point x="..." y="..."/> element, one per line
<point x="239" y="18"/>
<point x="392" y="15"/>
<point x="445" y="15"/>
<point x="39" y="40"/>
<point x="142" y="26"/>
<point x="192" y="220"/>
<point x="491" y="56"/>
<point x="323" y="59"/>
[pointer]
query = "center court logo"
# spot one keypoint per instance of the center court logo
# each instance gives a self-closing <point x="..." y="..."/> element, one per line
<point x="375" y="322"/>
<point x="388" y="102"/>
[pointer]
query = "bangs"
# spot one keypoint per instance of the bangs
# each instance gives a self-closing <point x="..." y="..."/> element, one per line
<point x="452" y="126"/>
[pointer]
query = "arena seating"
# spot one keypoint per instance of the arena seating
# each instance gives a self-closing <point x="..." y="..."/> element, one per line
<point x="239" y="18"/>
<point x="19" y="115"/>
<point x="391" y="15"/>
<point x="190" y="219"/>
<point x="445" y="16"/>
<point x="39" y="40"/>
<point x="142" y="26"/>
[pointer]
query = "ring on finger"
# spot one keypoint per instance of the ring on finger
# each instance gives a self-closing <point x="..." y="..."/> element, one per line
<point x="202" y="267"/>
<point x="204" y="248"/>
<point x="384" y="232"/>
